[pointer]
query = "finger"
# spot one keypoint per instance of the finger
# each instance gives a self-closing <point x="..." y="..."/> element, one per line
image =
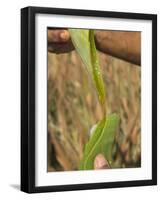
<point x="58" y="35"/>
<point x="100" y="162"/>
<point x="60" y="48"/>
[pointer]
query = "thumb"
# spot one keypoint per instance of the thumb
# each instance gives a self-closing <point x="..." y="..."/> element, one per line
<point x="100" y="162"/>
<point x="58" y="36"/>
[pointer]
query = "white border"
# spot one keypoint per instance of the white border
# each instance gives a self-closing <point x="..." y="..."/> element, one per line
<point x="42" y="178"/>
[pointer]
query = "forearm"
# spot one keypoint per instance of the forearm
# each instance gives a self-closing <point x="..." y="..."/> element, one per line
<point x="120" y="44"/>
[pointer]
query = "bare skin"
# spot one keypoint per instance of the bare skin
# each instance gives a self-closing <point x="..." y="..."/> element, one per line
<point x="59" y="41"/>
<point x="121" y="44"/>
<point x="100" y="162"/>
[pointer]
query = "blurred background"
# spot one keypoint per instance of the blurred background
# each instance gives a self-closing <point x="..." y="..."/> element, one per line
<point x="73" y="108"/>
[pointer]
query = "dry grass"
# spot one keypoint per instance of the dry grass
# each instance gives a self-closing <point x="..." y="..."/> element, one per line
<point x="73" y="108"/>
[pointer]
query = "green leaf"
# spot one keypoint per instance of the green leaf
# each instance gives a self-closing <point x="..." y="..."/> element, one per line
<point x="84" y="43"/>
<point x="101" y="141"/>
<point x="103" y="135"/>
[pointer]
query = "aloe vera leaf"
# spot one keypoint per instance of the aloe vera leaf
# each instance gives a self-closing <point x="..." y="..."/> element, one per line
<point x="101" y="141"/>
<point x="84" y="43"/>
<point x="103" y="135"/>
<point x="96" y="69"/>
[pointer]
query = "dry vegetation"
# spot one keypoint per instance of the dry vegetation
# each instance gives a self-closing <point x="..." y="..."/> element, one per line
<point x="73" y="108"/>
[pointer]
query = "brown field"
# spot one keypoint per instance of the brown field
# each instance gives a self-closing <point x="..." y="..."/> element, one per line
<point x="73" y="108"/>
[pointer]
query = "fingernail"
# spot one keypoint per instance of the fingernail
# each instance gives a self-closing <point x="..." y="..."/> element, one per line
<point x="64" y="35"/>
<point x="100" y="162"/>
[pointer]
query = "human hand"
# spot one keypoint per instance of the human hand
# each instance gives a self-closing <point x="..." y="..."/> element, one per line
<point x="121" y="44"/>
<point x="100" y="162"/>
<point x="59" y="41"/>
